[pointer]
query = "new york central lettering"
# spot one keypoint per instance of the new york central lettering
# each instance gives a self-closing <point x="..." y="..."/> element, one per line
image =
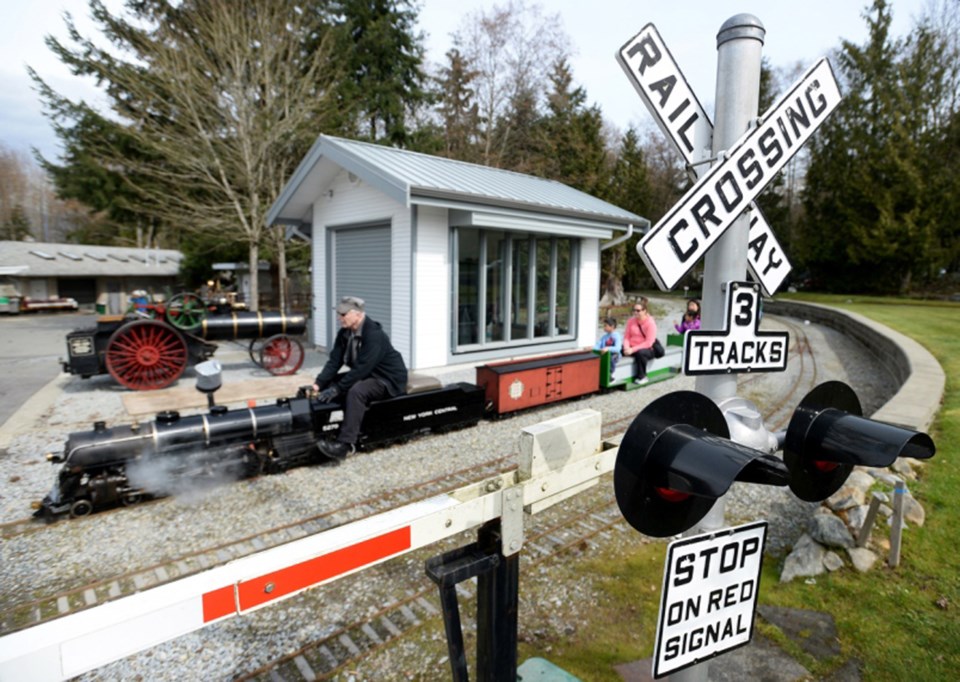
<point x="737" y="181"/>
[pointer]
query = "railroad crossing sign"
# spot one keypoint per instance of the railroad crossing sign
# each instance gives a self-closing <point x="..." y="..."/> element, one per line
<point x="653" y="71"/>
<point x="709" y="596"/>
<point x="740" y="346"/>
<point x="674" y="245"/>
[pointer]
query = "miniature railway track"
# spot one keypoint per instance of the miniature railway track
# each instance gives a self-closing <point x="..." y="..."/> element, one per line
<point x="400" y="617"/>
<point x="33" y="612"/>
<point x="25" y="526"/>
<point x="777" y="415"/>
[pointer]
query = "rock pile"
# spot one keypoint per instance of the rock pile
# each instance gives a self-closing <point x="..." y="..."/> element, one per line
<point x="838" y="526"/>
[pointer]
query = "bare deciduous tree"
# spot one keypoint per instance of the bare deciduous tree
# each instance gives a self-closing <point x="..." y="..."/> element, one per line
<point x="513" y="48"/>
<point x="217" y="99"/>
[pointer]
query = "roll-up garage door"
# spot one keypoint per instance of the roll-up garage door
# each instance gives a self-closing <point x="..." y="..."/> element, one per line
<point x="363" y="269"/>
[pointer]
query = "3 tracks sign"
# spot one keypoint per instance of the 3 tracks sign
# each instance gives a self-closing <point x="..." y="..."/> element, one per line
<point x="740" y="346"/>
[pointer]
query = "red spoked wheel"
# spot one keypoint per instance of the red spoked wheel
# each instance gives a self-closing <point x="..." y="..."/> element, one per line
<point x="146" y="355"/>
<point x="281" y="355"/>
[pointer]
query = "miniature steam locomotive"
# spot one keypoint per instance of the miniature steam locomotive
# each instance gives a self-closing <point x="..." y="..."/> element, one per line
<point x="120" y="465"/>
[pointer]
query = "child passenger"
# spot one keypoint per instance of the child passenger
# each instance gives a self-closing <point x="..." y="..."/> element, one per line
<point x="611" y="342"/>
<point x="691" y="318"/>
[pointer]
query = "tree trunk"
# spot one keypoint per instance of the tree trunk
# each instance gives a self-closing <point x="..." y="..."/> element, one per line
<point x="252" y="304"/>
<point x="905" y="282"/>
<point x="282" y="267"/>
<point x="613" y="294"/>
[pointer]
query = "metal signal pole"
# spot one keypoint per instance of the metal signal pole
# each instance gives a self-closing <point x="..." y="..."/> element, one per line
<point x="739" y="47"/>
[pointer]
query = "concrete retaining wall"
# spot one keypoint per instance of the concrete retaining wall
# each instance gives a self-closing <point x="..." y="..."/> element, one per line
<point x="918" y="373"/>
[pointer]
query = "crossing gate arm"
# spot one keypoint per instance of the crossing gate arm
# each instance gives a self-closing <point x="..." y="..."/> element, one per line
<point x="557" y="457"/>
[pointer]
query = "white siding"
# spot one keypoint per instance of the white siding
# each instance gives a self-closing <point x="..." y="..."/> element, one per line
<point x="401" y="302"/>
<point x="589" y="293"/>
<point x="357" y="203"/>
<point x="432" y="322"/>
<point x="420" y="296"/>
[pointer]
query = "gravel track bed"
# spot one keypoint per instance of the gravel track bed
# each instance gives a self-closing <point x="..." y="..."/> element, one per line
<point x="98" y="547"/>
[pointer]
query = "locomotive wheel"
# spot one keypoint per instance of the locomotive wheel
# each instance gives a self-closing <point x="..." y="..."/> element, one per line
<point x="146" y="355"/>
<point x="256" y="345"/>
<point x="186" y="311"/>
<point x="80" y="508"/>
<point x="281" y="355"/>
<point x="131" y="498"/>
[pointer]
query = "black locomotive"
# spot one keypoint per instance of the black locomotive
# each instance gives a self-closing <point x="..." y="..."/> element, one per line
<point x="123" y="464"/>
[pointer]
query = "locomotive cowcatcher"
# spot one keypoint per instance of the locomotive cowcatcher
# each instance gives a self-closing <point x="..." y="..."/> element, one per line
<point x="150" y="349"/>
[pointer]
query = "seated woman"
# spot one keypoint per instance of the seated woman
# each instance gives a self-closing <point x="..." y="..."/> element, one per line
<point x="638" y="340"/>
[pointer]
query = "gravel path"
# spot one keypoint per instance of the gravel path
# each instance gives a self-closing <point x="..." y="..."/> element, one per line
<point x="79" y="551"/>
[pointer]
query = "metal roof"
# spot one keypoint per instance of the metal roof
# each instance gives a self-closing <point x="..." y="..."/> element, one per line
<point x="45" y="259"/>
<point x="415" y="178"/>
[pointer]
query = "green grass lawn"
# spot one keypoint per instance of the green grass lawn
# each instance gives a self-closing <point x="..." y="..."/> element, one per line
<point x="901" y="624"/>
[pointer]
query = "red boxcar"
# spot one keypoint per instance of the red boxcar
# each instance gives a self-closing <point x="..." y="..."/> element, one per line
<point x="519" y="384"/>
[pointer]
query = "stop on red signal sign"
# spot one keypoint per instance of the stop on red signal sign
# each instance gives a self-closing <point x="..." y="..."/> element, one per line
<point x="709" y="596"/>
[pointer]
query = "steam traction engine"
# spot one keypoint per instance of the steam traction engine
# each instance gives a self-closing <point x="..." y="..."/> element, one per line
<point x="150" y="350"/>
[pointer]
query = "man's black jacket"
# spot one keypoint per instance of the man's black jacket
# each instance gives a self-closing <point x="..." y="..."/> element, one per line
<point x="376" y="358"/>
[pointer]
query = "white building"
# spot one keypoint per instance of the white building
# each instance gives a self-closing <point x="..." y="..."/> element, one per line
<point x="460" y="263"/>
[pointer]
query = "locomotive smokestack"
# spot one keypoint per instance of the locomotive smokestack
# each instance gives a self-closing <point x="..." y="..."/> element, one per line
<point x="209" y="379"/>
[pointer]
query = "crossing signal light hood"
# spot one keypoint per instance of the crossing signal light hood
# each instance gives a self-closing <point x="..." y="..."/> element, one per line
<point x="676" y="459"/>
<point x="828" y="436"/>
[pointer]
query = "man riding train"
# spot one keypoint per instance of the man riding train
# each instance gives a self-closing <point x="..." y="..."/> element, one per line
<point x="376" y="371"/>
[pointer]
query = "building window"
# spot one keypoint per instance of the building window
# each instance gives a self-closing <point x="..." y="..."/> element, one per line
<point x="512" y="288"/>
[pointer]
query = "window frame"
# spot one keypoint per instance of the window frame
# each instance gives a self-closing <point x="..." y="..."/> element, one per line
<point x="511" y="239"/>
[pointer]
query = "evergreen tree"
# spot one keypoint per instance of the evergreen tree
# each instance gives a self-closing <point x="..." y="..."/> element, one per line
<point x="520" y="135"/>
<point x="868" y="223"/>
<point x="384" y="59"/>
<point x="775" y="200"/>
<point x="17" y="225"/>
<point x="457" y="107"/>
<point x="628" y="187"/>
<point x="573" y="134"/>
<point x="115" y="207"/>
<point x="943" y="191"/>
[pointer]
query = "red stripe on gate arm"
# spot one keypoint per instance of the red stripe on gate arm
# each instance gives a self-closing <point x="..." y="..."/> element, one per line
<point x="287" y="580"/>
<point x="218" y="604"/>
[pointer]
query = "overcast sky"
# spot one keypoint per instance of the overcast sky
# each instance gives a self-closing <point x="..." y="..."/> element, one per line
<point x="796" y="32"/>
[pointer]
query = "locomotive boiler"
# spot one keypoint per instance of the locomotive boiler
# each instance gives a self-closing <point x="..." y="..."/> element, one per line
<point x="107" y="466"/>
<point x="151" y="348"/>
